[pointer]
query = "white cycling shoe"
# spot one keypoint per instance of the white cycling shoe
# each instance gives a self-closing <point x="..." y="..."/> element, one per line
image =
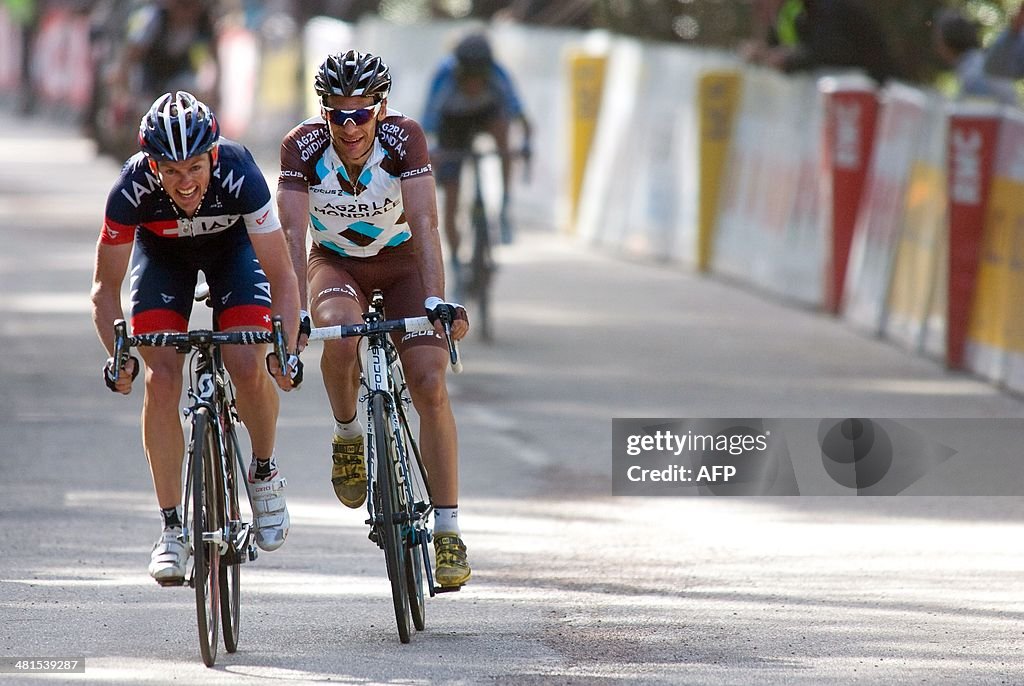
<point x="270" y="512"/>
<point x="170" y="553"/>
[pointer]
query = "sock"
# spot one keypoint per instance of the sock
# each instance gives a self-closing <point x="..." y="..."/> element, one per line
<point x="265" y="469"/>
<point x="353" y="428"/>
<point x="171" y="517"/>
<point x="446" y="520"/>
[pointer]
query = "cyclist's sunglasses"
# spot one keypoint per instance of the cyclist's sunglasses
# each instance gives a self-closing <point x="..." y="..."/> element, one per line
<point x="357" y="117"/>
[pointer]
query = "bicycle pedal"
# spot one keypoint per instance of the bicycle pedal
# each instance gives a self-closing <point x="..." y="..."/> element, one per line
<point x="447" y="589"/>
<point x="171" y="582"/>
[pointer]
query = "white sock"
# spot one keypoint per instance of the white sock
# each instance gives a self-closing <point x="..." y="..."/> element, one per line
<point x="446" y="520"/>
<point x="348" y="430"/>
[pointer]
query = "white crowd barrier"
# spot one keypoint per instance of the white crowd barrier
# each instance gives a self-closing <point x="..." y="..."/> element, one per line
<point x="880" y="219"/>
<point x="769" y="229"/>
<point x="995" y="332"/>
<point x="641" y="182"/>
<point x="916" y="299"/>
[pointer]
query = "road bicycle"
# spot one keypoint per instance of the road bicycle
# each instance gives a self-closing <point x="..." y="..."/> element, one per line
<point x="219" y="537"/>
<point x="397" y="492"/>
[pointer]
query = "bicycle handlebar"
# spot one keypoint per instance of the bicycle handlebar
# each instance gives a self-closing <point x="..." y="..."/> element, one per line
<point x="407" y="325"/>
<point x="196" y="338"/>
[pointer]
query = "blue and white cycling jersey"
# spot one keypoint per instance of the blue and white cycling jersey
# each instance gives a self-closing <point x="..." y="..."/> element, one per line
<point x="238" y="193"/>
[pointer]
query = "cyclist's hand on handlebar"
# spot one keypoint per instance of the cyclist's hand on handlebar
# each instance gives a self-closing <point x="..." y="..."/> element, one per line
<point x="305" y="327"/>
<point x="438" y="311"/>
<point x="291" y="379"/>
<point x="121" y="381"/>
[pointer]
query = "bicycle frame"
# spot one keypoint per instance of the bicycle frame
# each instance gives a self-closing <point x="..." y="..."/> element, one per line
<point x="382" y="375"/>
<point x="398" y="498"/>
<point x="210" y="389"/>
<point x="210" y="488"/>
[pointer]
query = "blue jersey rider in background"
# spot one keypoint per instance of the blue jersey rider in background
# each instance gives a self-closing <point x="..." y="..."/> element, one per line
<point x="471" y="94"/>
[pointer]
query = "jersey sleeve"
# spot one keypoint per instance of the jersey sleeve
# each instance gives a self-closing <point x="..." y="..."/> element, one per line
<point x="258" y="209"/>
<point x="439" y="86"/>
<point x="406" y="147"/>
<point x="300" y="149"/>
<point x="120" y="217"/>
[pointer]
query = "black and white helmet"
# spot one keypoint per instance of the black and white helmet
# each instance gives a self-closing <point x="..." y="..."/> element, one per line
<point x="178" y="126"/>
<point x="353" y="73"/>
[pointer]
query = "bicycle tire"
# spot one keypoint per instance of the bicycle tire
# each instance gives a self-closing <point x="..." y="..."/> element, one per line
<point x="414" y="585"/>
<point x="230" y="573"/>
<point x="206" y="555"/>
<point x="390" y="513"/>
<point x="481" y="268"/>
<point x="418" y="497"/>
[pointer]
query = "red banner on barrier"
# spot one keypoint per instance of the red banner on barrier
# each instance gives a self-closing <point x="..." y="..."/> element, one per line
<point x="851" y="111"/>
<point x="972" y="151"/>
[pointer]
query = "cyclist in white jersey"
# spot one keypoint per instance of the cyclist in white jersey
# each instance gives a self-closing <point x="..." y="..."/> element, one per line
<point x="358" y="176"/>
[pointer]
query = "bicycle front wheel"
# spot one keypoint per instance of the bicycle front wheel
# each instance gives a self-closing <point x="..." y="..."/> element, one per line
<point x="230" y="573"/>
<point x="391" y="515"/>
<point x="482" y="270"/>
<point x="206" y="563"/>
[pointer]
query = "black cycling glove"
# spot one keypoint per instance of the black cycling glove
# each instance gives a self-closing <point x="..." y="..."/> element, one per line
<point x="435" y="307"/>
<point x="110" y="375"/>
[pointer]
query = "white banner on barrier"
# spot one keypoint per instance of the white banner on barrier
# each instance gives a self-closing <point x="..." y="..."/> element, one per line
<point x="769" y="232"/>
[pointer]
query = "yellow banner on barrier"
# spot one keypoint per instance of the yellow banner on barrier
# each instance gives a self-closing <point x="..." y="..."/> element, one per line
<point x="989" y="312"/>
<point x="586" y="79"/>
<point x="718" y="95"/>
<point x="917" y="256"/>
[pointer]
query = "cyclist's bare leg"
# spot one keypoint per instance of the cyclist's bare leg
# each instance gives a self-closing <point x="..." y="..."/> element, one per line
<point x="449" y="210"/>
<point x="339" y="363"/>
<point x="256" y="394"/>
<point x="162" y="435"/>
<point x="425" y="368"/>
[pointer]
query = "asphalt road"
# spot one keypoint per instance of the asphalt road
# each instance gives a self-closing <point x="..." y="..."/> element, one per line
<point x="571" y="585"/>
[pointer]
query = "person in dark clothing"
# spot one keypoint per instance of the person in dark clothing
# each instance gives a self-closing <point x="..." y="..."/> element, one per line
<point x="836" y="34"/>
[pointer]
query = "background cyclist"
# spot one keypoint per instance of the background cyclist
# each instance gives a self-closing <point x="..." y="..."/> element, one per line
<point x="470" y="93"/>
<point x="190" y="200"/>
<point x="359" y="176"/>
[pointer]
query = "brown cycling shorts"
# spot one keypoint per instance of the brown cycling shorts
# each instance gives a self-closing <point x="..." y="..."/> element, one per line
<point x="395" y="271"/>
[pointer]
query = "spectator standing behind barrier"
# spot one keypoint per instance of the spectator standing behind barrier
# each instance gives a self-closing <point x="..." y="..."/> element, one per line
<point x="958" y="44"/>
<point x="1005" y="56"/>
<point x="171" y="45"/>
<point x="775" y="26"/>
<point x="834" y="33"/>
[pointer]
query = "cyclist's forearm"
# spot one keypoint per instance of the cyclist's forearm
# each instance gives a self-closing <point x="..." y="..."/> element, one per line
<point x="293" y="209"/>
<point x="419" y="198"/>
<point x="108" y="275"/>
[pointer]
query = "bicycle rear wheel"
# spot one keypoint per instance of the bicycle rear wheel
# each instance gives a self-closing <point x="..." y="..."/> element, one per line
<point x="206" y="562"/>
<point x="391" y="515"/>
<point x="230" y="571"/>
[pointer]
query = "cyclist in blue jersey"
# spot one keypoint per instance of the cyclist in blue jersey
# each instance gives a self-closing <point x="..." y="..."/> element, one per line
<point x="471" y="94"/>
<point x="189" y="201"/>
